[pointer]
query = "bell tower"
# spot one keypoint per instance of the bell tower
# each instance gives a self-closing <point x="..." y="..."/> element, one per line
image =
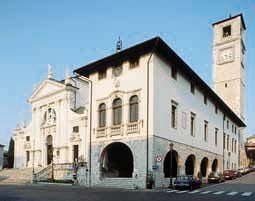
<point x="228" y="62"/>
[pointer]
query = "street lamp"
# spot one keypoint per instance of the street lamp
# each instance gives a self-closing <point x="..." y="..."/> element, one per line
<point x="171" y="145"/>
<point x="33" y="162"/>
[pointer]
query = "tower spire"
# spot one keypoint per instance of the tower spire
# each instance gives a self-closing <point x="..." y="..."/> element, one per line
<point x="50" y="71"/>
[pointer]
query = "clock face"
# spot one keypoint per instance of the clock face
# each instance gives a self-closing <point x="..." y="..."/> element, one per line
<point x="226" y="55"/>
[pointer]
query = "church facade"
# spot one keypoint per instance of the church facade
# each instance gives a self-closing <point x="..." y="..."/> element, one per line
<point x="143" y="114"/>
<point x="57" y="132"/>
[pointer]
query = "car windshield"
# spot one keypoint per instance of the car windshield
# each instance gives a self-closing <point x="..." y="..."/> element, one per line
<point x="184" y="178"/>
<point x="213" y="174"/>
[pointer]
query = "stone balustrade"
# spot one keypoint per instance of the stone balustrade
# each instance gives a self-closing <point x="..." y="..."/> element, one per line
<point x="122" y="129"/>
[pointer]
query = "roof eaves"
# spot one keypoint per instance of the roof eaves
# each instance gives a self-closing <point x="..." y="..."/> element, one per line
<point x="232" y="17"/>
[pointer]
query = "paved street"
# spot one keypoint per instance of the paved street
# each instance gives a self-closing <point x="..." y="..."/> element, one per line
<point x="240" y="189"/>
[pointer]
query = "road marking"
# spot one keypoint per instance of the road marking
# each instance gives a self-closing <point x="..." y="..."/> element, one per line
<point x="206" y="192"/>
<point x="232" y="193"/>
<point x="171" y="191"/>
<point x="182" y="192"/>
<point x="219" y="192"/>
<point x="196" y="191"/>
<point x="247" y="194"/>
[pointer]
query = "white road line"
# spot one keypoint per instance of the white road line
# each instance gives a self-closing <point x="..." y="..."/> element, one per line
<point x="171" y="191"/>
<point x="232" y="193"/>
<point x="219" y="192"/>
<point x="182" y="192"/>
<point x="196" y="191"/>
<point x="206" y="192"/>
<point x="247" y="194"/>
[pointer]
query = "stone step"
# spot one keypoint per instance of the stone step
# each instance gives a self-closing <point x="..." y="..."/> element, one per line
<point x="18" y="176"/>
<point x="124" y="183"/>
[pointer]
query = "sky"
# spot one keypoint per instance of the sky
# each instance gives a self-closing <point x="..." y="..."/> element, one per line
<point x="73" y="33"/>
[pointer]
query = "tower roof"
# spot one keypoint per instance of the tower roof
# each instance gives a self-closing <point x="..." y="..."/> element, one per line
<point x="230" y="18"/>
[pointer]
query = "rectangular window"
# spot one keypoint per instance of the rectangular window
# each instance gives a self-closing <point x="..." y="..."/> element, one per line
<point x="227" y="124"/>
<point x="75" y="152"/>
<point x="174" y="115"/>
<point x="205" y="99"/>
<point x="102" y="74"/>
<point x="232" y="128"/>
<point x="192" y="88"/>
<point x="27" y="138"/>
<point x="192" y="124"/>
<point x="216" y="109"/>
<point x="205" y="130"/>
<point x="235" y="129"/>
<point x="76" y="129"/>
<point x="232" y="145"/>
<point x="133" y="63"/>
<point x="235" y="146"/>
<point x="226" y="31"/>
<point x="28" y="156"/>
<point x="174" y="72"/>
<point x="227" y="142"/>
<point x="216" y="136"/>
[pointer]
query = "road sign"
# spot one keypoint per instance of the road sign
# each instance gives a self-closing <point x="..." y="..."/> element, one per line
<point x="158" y="158"/>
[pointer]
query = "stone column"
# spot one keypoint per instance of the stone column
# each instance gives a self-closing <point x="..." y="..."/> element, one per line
<point x="181" y="167"/>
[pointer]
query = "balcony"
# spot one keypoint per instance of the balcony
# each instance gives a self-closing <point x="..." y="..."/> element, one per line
<point x="101" y="132"/>
<point x="133" y="127"/>
<point x="116" y="130"/>
<point x="122" y="129"/>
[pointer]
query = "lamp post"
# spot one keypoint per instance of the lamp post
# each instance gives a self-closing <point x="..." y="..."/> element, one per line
<point x="33" y="177"/>
<point x="171" y="145"/>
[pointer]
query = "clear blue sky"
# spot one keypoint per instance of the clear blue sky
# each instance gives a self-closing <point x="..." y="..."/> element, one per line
<point x="73" y="33"/>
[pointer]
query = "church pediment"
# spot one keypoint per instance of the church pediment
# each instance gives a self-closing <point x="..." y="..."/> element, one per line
<point x="46" y="88"/>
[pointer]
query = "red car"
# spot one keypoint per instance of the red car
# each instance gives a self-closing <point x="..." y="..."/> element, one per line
<point x="229" y="174"/>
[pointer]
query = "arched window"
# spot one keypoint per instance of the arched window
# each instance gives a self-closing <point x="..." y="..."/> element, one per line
<point x="133" y="109"/>
<point x="117" y="111"/>
<point x="102" y="115"/>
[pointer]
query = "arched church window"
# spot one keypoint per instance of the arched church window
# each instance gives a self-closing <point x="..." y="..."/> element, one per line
<point x="117" y="111"/>
<point x="133" y="109"/>
<point x="102" y="115"/>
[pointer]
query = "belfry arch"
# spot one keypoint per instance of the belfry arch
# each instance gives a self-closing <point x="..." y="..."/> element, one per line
<point x="117" y="161"/>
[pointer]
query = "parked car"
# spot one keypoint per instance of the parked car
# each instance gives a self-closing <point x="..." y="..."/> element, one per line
<point x="187" y="182"/>
<point x="242" y="171"/>
<point x="246" y="170"/>
<point x="215" y="177"/>
<point x="237" y="173"/>
<point x="229" y="174"/>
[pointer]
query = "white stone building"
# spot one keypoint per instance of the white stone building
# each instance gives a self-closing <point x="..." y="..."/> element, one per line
<point x="149" y="117"/>
<point x="57" y="132"/>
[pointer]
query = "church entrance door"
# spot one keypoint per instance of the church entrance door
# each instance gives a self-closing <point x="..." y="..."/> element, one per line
<point x="49" y="150"/>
